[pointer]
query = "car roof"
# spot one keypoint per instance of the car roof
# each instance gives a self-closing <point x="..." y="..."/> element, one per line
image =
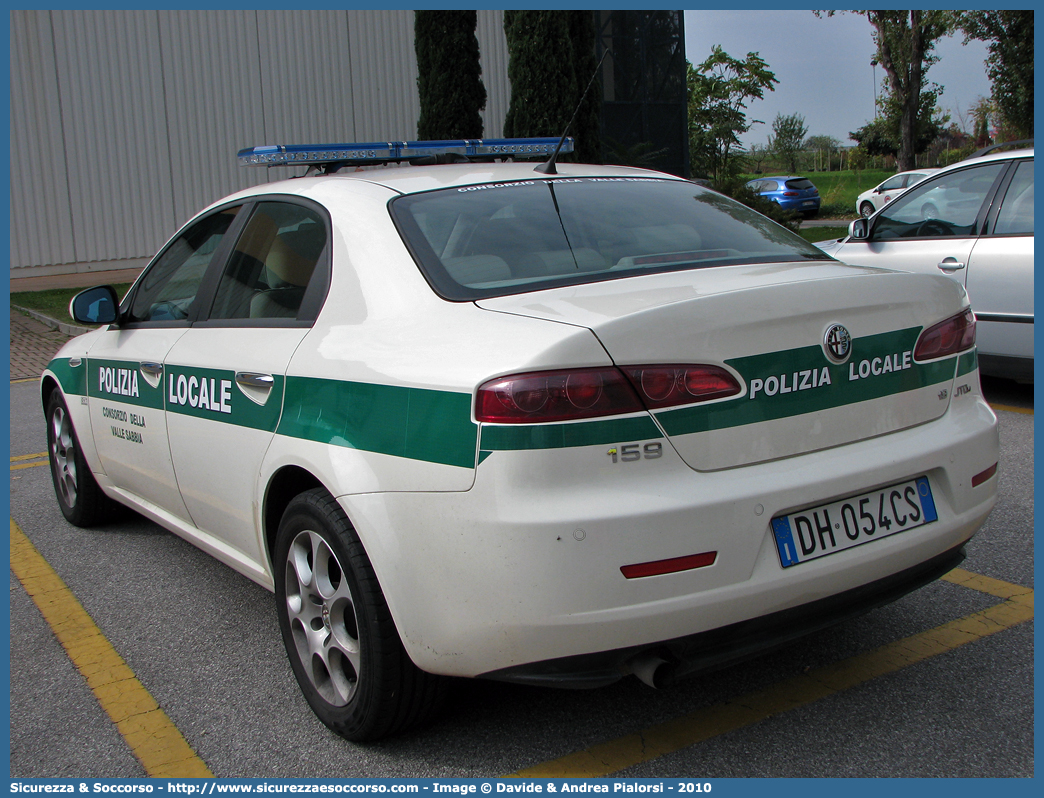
<point x="1006" y="155"/>
<point x="408" y="179"/>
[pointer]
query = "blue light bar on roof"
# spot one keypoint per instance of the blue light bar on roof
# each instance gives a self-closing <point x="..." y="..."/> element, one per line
<point x="385" y="152"/>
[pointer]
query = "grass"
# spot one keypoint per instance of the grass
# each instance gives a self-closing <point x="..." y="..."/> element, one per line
<point x="813" y="234"/>
<point x="54" y="302"/>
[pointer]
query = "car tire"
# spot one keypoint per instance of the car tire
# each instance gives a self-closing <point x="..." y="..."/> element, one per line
<point x="338" y="632"/>
<point x="81" y="500"/>
<point x="866" y="210"/>
<point x="929" y="211"/>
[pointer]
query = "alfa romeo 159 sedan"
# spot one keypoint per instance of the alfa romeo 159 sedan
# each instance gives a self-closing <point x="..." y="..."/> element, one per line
<point x="552" y="427"/>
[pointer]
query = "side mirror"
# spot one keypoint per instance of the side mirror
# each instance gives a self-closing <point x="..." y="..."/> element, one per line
<point x="859" y="230"/>
<point x="98" y="305"/>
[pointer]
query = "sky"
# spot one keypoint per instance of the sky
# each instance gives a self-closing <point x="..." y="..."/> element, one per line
<point x="823" y="67"/>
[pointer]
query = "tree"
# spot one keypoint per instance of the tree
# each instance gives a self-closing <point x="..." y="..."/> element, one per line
<point x="719" y="90"/>
<point x="823" y="147"/>
<point x="550" y="63"/>
<point x="982" y="112"/>
<point x="756" y="156"/>
<point x="586" y="127"/>
<point x="905" y="40"/>
<point x="880" y="137"/>
<point x="1009" y="37"/>
<point x="449" y="78"/>
<point x="789" y="136"/>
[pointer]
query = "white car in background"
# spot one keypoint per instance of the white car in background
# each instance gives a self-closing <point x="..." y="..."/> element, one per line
<point x="870" y="202"/>
<point x="551" y="426"/>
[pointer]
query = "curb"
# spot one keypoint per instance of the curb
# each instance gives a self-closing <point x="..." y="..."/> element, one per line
<point x="54" y="324"/>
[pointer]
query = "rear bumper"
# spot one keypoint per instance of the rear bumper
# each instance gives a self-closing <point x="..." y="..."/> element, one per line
<point x="799" y="203"/>
<point x="524" y="569"/>
<point x="719" y="648"/>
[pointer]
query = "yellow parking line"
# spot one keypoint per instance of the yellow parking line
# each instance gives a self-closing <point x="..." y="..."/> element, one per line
<point x="26" y="379"/>
<point x="18" y="462"/>
<point x="152" y="737"/>
<point x="703" y="724"/>
<point x="1025" y="410"/>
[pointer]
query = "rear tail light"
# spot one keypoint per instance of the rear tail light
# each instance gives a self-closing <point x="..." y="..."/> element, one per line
<point x="567" y="395"/>
<point x="555" y="396"/>
<point x="667" y="386"/>
<point x="948" y="337"/>
<point x="791" y="194"/>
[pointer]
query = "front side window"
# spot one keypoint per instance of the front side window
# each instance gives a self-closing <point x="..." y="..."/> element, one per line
<point x="271" y="264"/>
<point x="1016" y="212"/>
<point x="947" y="205"/>
<point x="168" y="288"/>
<point x="506" y="238"/>
<point x="892" y="183"/>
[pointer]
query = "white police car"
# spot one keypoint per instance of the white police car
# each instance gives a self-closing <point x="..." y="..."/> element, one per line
<point x="551" y="427"/>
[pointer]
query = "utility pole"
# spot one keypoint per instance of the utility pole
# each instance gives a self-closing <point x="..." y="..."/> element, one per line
<point x="873" y="65"/>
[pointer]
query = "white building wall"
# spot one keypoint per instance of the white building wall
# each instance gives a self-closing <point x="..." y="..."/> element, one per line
<point x="125" y="123"/>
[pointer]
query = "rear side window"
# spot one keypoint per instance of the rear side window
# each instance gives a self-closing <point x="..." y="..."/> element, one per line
<point x="507" y="238"/>
<point x="272" y="263"/>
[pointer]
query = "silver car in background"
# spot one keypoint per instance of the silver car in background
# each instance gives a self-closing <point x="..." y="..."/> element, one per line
<point x="972" y="221"/>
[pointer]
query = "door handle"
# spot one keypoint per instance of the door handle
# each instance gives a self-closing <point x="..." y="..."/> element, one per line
<point x="152" y="369"/>
<point x="251" y="379"/>
<point x="950" y="265"/>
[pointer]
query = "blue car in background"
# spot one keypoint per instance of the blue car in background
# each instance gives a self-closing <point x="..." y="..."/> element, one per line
<point x="790" y="192"/>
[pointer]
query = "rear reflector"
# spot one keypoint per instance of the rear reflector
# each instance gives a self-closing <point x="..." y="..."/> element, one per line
<point x="978" y="479"/>
<point x="671" y="566"/>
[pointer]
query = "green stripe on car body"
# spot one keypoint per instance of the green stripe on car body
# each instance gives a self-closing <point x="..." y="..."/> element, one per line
<point x="436" y="426"/>
<point x="968" y="363"/>
<point x="73" y="379"/>
<point x="213" y="394"/>
<point x="122" y="381"/>
<point x="513" y="437"/>
<point x="416" y="423"/>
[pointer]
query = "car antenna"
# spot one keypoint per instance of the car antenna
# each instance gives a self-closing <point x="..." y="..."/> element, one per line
<point x="548" y="167"/>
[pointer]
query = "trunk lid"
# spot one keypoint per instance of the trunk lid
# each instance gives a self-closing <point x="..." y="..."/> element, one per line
<point x="768" y="325"/>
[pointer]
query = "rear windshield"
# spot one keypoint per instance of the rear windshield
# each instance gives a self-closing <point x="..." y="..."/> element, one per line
<point x="801" y="184"/>
<point x="509" y="238"/>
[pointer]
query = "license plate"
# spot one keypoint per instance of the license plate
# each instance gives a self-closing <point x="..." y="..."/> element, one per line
<point x="809" y="202"/>
<point x="830" y="528"/>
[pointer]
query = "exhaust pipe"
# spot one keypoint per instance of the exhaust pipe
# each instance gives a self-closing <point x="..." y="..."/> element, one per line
<point x="651" y="669"/>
